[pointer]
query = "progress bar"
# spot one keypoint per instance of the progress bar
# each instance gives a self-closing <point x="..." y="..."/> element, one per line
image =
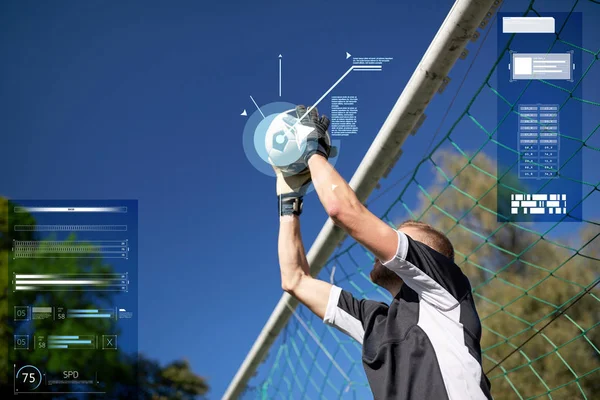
<point x="71" y="228"/>
<point x="108" y="282"/>
<point x="71" y="249"/>
<point x="70" y="209"/>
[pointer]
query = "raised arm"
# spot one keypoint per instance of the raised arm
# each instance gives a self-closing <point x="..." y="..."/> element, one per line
<point x="333" y="305"/>
<point x="342" y="206"/>
<point x="295" y="272"/>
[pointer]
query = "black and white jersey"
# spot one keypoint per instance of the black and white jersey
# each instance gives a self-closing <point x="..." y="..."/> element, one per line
<point x="426" y="343"/>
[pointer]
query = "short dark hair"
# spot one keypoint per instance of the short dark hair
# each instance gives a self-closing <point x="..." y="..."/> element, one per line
<point x="433" y="238"/>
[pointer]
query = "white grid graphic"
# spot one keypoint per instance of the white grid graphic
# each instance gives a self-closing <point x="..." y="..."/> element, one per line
<point x="538" y="203"/>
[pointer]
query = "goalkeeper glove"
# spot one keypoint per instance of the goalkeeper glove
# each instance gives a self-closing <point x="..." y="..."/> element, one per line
<point x="318" y="140"/>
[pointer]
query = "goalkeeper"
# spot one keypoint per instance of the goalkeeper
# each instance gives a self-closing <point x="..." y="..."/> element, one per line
<point x="426" y="343"/>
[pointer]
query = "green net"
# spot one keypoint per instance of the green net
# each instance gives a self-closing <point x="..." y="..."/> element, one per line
<point x="534" y="284"/>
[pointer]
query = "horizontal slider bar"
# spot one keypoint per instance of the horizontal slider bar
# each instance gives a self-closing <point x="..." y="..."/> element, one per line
<point x="107" y="288"/>
<point x="70" y="228"/>
<point x="71" y="249"/>
<point x="70" y="209"/>
<point x="72" y="255"/>
<point x="69" y="253"/>
<point x="77" y="282"/>
<point x="58" y="242"/>
<point x="66" y="252"/>
<point x="45" y="246"/>
<point x="58" y="346"/>
<point x="50" y="337"/>
<point x="536" y="61"/>
<point x="72" y="276"/>
<point x="64" y="341"/>
<point x="89" y="316"/>
<point x="85" y="312"/>
<point x="41" y="309"/>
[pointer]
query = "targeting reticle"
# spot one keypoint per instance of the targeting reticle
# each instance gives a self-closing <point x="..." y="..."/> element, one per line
<point x="264" y="121"/>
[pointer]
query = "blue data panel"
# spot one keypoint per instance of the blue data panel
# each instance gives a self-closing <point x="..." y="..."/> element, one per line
<point x="539" y="117"/>
<point x="72" y="285"/>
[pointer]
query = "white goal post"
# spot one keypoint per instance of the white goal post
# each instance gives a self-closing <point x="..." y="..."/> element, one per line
<point x="445" y="48"/>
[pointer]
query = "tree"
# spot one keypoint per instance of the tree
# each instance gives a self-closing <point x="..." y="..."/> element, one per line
<point x="173" y="381"/>
<point x="521" y="280"/>
<point x="128" y="376"/>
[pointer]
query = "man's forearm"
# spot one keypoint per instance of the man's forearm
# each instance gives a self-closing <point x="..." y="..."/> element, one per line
<point x="295" y="272"/>
<point x="347" y="212"/>
<point x="292" y="257"/>
<point x="338" y="198"/>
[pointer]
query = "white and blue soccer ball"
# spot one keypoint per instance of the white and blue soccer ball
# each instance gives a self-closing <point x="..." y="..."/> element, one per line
<point x="284" y="143"/>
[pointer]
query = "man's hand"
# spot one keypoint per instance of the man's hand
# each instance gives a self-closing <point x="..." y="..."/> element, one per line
<point x="318" y="140"/>
<point x="292" y="185"/>
<point x="290" y="190"/>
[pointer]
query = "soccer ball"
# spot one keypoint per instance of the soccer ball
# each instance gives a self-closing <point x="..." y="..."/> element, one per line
<point x="284" y="146"/>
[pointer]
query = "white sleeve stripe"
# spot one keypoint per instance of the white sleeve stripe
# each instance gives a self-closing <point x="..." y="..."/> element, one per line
<point x="341" y="319"/>
<point x="419" y="281"/>
<point x="402" y="248"/>
<point x="349" y="325"/>
<point x="429" y="290"/>
<point x="334" y="298"/>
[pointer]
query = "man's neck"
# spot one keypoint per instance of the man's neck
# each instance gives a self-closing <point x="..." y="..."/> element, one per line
<point x="395" y="289"/>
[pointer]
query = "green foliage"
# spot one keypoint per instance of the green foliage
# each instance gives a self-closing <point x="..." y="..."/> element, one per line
<point x="174" y="381"/>
<point x="521" y="279"/>
<point x="120" y="371"/>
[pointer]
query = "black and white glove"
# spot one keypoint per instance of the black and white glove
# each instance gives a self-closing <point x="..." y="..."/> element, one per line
<point x="290" y="191"/>
<point x="318" y="140"/>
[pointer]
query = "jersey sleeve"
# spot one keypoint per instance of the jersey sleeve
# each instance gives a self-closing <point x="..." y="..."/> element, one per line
<point x="433" y="276"/>
<point x="349" y="314"/>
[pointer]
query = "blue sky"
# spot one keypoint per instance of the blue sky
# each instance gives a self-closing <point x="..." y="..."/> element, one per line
<point x="141" y="100"/>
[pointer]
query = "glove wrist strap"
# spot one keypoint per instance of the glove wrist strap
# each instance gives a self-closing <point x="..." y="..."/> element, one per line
<point x="312" y="149"/>
<point x="290" y="204"/>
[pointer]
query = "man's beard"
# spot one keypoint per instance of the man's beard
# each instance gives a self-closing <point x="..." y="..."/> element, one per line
<point x="383" y="277"/>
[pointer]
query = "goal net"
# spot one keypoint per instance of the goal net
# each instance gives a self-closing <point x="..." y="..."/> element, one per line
<point x="534" y="284"/>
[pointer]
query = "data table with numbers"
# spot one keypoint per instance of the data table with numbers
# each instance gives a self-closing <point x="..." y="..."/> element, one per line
<point x="539" y="141"/>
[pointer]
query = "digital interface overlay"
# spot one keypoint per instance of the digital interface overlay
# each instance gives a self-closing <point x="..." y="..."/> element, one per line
<point x="273" y="135"/>
<point x="539" y="121"/>
<point x="72" y="297"/>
